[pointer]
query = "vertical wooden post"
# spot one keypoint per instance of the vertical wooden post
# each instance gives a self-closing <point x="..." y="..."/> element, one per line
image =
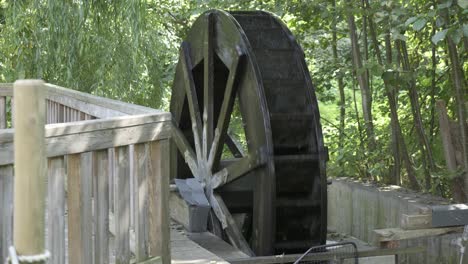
<point x="3" y="113"/>
<point x="6" y="209"/>
<point x="30" y="167"/>
<point x="56" y="211"/>
<point x="158" y="200"/>
<point x="122" y="207"/>
<point x="141" y="197"/>
<point x="101" y="207"/>
<point x="12" y="107"/>
<point x="79" y="173"/>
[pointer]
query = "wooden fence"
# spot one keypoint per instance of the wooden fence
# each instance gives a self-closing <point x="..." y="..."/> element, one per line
<point x="107" y="178"/>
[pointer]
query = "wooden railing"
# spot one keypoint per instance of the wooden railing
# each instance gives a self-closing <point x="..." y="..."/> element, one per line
<point x="107" y="178"/>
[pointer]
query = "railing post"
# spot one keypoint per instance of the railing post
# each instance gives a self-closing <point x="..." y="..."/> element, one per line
<point x="3" y="112"/>
<point x="30" y="167"/>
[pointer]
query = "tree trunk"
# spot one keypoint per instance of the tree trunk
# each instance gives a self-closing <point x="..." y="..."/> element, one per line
<point x="433" y="86"/>
<point x="340" y="82"/>
<point x="362" y="78"/>
<point x="427" y="157"/>
<point x="460" y="100"/>
<point x="456" y="183"/>
<point x="398" y="143"/>
<point x="358" y="122"/>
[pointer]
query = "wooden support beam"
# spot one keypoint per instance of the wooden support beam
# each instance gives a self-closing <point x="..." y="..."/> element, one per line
<point x="232" y="230"/>
<point x="93" y="135"/>
<point x="158" y="191"/>
<point x="397" y="234"/>
<point x="30" y="167"/>
<point x="323" y="256"/>
<point x="238" y="169"/>
<point x="411" y="222"/>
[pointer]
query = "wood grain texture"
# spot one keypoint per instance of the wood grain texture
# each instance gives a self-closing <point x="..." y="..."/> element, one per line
<point x="234" y="234"/>
<point x="6" y="209"/>
<point x="30" y="167"/>
<point x="158" y="190"/>
<point x="141" y="157"/>
<point x="56" y="210"/>
<point x="79" y="208"/>
<point x="84" y="102"/>
<point x="101" y="206"/>
<point x="3" y="112"/>
<point x="122" y="209"/>
<point x="59" y="142"/>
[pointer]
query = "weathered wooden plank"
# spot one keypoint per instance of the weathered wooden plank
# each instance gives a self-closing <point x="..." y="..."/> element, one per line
<point x="323" y="256"/>
<point x="409" y="222"/>
<point x="6" y="89"/>
<point x="184" y="147"/>
<point x="53" y="130"/>
<point x="87" y="108"/>
<point x="111" y="169"/>
<point x="89" y="140"/>
<point x="208" y="85"/>
<point x="12" y="107"/>
<point x="122" y="209"/>
<point x="225" y="112"/>
<point x="131" y="165"/>
<point x="141" y="156"/>
<point x="79" y="171"/>
<point x="30" y="167"/>
<point x="158" y="190"/>
<point x="6" y="209"/>
<point x="396" y="234"/>
<point x="234" y="234"/>
<point x="101" y="206"/>
<point x="192" y="98"/>
<point x="56" y="210"/>
<point x="3" y="112"/>
<point x="54" y="91"/>
<point x="237" y="169"/>
<point x="155" y="260"/>
<point x="216" y="245"/>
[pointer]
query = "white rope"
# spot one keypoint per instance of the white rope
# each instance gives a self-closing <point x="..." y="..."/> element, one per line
<point x="15" y="259"/>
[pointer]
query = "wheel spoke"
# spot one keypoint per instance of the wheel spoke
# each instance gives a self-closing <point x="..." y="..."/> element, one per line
<point x="239" y="168"/>
<point x="184" y="147"/>
<point x="225" y="112"/>
<point x="192" y="98"/>
<point x="234" y="146"/>
<point x="208" y="86"/>
<point x="232" y="230"/>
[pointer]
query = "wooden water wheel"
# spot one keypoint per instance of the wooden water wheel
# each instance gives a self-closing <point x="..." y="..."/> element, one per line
<point x="246" y="68"/>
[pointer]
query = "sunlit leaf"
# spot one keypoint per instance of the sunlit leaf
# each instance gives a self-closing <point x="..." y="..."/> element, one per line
<point x="439" y="36"/>
<point x="419" y="24"/>
<point x="463" y="3"/>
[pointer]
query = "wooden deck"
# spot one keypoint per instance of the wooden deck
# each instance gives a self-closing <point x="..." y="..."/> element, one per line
<point x="185" y="251"/>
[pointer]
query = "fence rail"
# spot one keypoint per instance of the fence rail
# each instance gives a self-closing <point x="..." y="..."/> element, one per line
<point x="107" y="178"/>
